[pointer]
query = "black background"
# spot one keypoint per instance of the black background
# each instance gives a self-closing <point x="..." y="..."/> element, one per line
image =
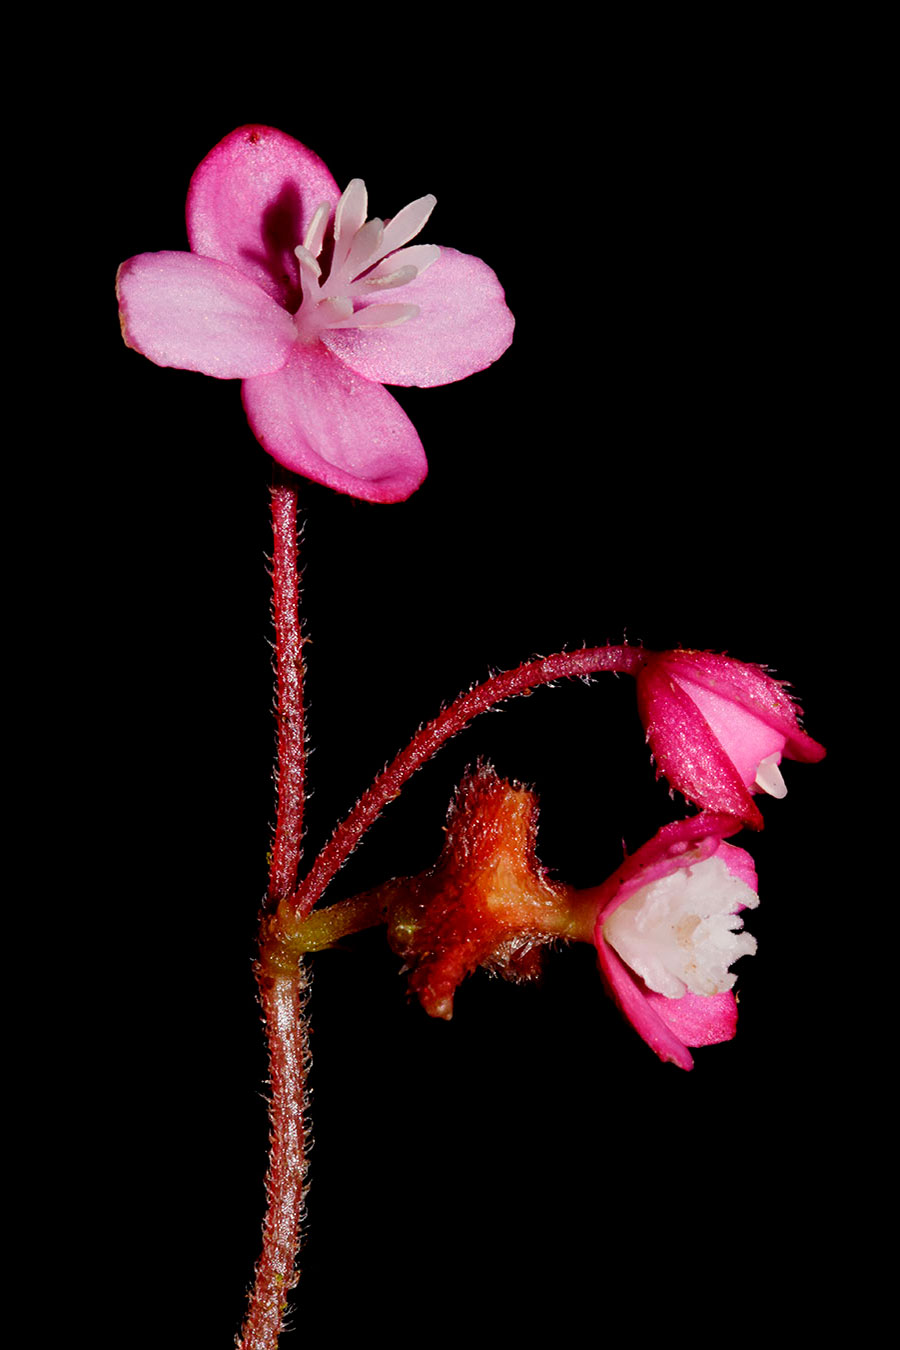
<point x="662" y="455"/>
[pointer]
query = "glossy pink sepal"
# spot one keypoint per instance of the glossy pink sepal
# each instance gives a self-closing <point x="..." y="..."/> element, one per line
<point x="718" y="728"/>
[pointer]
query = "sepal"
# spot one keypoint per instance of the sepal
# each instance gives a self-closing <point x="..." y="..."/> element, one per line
<point x="718" y="728"/>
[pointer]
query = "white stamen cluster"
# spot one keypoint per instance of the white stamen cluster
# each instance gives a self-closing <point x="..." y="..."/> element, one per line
<point x="682" y="932"/>
<point x="368" y="257"/>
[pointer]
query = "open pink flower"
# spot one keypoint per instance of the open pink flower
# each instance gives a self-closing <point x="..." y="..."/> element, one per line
<point x="718" y="729"/>
<point x="289" y="288"/>
<point x="668" y="928"/>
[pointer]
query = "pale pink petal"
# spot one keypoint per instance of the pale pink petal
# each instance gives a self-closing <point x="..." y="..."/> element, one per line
<point x="462" y="326"/>
<point x="327" y="423"/>
<point x="746" y="738"/>
<point x="198" y="314"/>
<point x="696" y="1019"/>
<point x="752" y="688"/>
<point x="251" y="202"/>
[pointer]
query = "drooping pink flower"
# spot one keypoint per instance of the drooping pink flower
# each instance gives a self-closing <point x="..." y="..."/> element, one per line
<point x="289" y="288"/>
<point x="718" y="728"/>
<point x="667" y="930"/>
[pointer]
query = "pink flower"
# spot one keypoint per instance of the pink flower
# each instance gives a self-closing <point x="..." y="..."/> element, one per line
<point x="718" y="729"/>
<point x="667" y="930"/>
<point x="288" y="288"/>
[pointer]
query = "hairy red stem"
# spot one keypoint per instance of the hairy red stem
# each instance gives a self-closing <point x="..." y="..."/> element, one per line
<point x="282" y="995"/>
<point x="289" y="675"/>
<point x="431" y="737"/>
<point x="282" y="991"/>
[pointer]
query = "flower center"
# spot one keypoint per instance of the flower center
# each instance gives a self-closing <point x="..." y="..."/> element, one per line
<point x="682" y="932"/>
<point x="367" y="258"/>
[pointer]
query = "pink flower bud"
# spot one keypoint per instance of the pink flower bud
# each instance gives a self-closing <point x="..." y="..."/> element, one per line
<point x="718" y="728"/>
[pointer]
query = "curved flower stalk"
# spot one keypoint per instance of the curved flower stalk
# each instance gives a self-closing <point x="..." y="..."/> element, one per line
<point x="667" y="930"/>
<point x="289" y="288"/>
<point x="718" y="729"/>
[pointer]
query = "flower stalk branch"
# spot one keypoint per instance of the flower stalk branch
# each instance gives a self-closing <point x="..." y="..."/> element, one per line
<point x="327" y="926"/>
<point x="582" y="663"/>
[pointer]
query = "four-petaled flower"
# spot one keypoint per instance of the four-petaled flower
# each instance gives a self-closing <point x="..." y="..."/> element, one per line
<point x="668" y="928"/>
<point x="718" y="728"/>
<point x="288" y="288"/>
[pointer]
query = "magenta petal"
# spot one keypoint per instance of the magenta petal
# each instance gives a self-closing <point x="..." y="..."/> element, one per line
<point x="198" y="314"/>
<point x="633" y="1002"/>
<point x="681" y="843"/>
<point x="462" y="326"/>
<point x="695" y="1019"/>
<point x="739" y="864"/>
<point x="327" y="423"/>
<point x="250" y="203"/>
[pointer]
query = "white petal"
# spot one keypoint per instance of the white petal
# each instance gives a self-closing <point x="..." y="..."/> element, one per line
<point x="315" y="235"/>
<point x="349" y="217"/>
<point x="378" y="316"/>
<point x="419" y="256"/>
<point x="768" y="777"/>
<point x="365" y="247"/>
<point x="307" y="261"/>
<point x="387" y="280"/>
<point x="407" y="223"/>
<point x="683" y="932"/>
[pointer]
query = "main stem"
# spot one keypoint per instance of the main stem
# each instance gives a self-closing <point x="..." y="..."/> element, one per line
<point x="289" y="679"/>
<point x="282" y="992"/>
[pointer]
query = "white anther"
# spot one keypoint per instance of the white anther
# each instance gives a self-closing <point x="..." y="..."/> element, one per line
<point x="768" y="777"/>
